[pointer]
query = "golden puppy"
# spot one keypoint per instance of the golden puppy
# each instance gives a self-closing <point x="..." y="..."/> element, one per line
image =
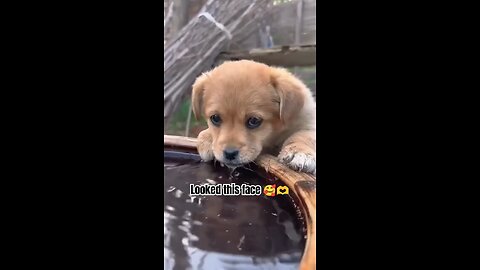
<point x="251" y="109"/>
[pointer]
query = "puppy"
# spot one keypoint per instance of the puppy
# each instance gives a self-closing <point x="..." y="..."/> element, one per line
<point x="251" y="109"/>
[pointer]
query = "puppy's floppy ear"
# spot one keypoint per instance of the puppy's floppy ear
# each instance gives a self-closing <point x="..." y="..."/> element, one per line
<point x="290" y="91"/>
<point x="197" y="95"/>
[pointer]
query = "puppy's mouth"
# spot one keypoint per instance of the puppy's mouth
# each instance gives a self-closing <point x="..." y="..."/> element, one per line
<point x="232" y="164"/>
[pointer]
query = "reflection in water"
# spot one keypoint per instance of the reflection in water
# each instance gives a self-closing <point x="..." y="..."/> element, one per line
<point x="227" y="232"/>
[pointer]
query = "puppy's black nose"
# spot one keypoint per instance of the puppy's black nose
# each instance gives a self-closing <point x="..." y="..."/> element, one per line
<point x="230" y="153"/>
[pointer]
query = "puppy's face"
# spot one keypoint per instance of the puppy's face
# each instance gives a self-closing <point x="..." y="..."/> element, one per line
<point x="246" y="104"/>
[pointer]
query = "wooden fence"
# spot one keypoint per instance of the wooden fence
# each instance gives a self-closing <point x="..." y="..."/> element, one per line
<point x="288" y="23"/>
<point x="286" y="36"/>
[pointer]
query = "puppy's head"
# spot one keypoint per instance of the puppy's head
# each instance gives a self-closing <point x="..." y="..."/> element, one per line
<point x="247" y="105"/>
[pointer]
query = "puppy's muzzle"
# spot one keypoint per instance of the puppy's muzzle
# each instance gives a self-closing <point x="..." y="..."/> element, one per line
<point x="230" y="153"/>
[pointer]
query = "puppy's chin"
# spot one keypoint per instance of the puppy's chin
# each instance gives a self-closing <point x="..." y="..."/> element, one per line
<point x="232" y="167"/>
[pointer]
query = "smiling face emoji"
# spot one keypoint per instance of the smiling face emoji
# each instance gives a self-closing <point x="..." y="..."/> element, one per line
<point x="269" y="190"/>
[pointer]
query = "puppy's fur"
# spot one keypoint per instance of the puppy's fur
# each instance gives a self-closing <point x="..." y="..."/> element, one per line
<point x="237" y="91"/>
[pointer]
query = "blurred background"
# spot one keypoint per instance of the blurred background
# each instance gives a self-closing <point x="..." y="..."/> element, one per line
<point x="201" y="34"/>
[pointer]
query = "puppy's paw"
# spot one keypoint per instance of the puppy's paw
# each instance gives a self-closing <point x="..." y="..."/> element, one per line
<point x="297" y="160"/>
<point x="204" y="145"/>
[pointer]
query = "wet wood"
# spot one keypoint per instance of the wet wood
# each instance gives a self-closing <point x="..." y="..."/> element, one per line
<point x="303" y="186"/>
<point x="170" y="140"/>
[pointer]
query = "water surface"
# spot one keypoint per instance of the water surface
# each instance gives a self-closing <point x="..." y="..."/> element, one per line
<point x="227" y="232"/>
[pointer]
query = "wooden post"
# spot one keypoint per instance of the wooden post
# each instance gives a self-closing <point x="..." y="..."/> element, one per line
<point x="298" y="25"/>
<point x="187" y="128"/>
<point x="298" y="28"/>
<point x="176" y="18"/>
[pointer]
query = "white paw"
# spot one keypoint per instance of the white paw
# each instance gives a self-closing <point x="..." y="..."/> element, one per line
<point x="204" y="146"/>
<point x="299" y="161"/>
<point x="206" y="155"/>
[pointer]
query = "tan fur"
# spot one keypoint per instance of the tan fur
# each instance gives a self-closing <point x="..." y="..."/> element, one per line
<point x="242" y="89"/>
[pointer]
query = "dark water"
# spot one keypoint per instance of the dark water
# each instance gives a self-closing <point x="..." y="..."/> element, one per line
<point x="227" y="232"/>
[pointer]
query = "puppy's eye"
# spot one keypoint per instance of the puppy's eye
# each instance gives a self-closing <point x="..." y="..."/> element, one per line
<point x="216" y="120"/>
<point x="253" y="122"/>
